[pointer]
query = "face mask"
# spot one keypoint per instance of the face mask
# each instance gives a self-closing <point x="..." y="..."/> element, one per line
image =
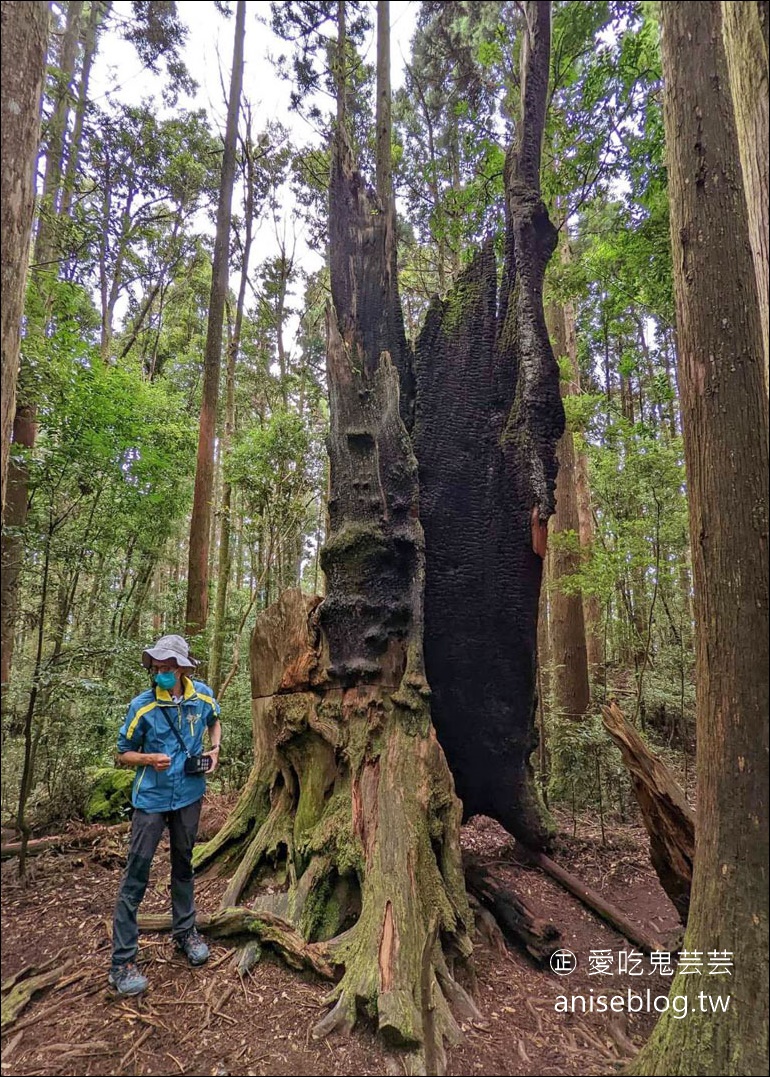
<point x="166" y="680"/>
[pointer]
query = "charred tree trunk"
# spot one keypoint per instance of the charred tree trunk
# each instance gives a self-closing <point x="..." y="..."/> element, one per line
<point x="725" y="425"/>
<point x="350" y="801"/>
<point x="350" y="795"/>
<point x="487" y="421"/>
<point x="351" y="804"/>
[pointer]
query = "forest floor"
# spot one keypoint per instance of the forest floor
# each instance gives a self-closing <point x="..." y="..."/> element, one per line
<point x="212" y="1021"/>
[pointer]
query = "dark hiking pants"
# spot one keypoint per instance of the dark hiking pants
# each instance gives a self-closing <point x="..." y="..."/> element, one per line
<point x="146" y="831"/>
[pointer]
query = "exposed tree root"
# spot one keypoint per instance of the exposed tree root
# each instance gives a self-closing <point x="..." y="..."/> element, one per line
<point x="350" y="853"/>
<point x="269" y="929"/>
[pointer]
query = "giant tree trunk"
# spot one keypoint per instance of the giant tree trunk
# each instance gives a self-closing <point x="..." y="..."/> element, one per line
<point x="351" y="805"/>
<point x="203" y="495"/>
<point x="487" y="420"/>
<point x="24" y="37"/>
<point x="725" y="423"/>
<point x="351" y="799"/>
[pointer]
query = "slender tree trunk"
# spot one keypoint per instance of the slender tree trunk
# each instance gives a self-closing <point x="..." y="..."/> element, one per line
<point x="745" y="35"/>
<point x="223" y="573"/>
<point x="341" y="66"/>
<point x="197" y="572"/>
<point x="592" y="613"/>
<point x="384" y="165"/>
<point x="45" y="241"/>
<point x="724" y="415"/>
<point x="24" y="42"/>
<point x="571" y="692"/>
<point x="97" y="17"/>
<point x="544" y="666"/>
<point x="28" y="768"/>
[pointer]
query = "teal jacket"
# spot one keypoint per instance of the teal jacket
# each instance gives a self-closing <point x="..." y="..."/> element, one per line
<point x="147" y="730"/>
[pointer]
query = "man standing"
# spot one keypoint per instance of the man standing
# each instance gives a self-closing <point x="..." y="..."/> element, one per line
<point x="162" y="737"/>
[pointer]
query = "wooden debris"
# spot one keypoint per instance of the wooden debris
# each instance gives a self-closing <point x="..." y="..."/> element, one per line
<point x="518" y="922"/>
<point x="614" y="916"/>
<point x="134" y="1047"/>
<point x="669" y="819"/>
<point x="79" y="840"/>
<point x="23" y="987"/>
<point x="247" y="958"/>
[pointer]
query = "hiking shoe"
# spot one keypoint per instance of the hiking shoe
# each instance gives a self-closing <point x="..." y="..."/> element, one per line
<point x="127" y="979"/>
<point x="193" y="945"/>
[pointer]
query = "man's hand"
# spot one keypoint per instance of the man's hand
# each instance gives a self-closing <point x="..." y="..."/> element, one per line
<point x="213" y="755"/>
<point x="158" y="761"/>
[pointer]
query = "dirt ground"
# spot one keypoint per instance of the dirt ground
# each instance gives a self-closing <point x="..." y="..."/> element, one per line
<point x="212" y="1021"/>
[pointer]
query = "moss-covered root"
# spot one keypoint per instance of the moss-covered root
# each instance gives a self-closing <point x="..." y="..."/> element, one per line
<point x="274" y="931"/>
<point x="250" y="812"/>
<point x="407" y="819"/>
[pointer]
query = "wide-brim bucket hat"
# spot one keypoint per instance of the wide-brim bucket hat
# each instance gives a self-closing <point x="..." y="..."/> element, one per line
<point x="168" y="647"/>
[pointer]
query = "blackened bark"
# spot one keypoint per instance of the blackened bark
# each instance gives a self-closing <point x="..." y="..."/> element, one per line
<point x="373" y="558"/>
<point x="488" y="417"/>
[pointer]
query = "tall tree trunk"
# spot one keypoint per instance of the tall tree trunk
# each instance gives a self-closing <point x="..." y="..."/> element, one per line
<point x="223" y="573"/>
<point x="745" y="35"/>
<point x="488" y="417"/>
<point x="97" y="17"/>
<point x="200" y="521"/>
<point x="45" y="269"/>
<point x="592" y="609"/>
<point x="383" y="123"/>
<point x="592" y="613"/>
<point x="567" y="633"/>
<point x="46" y="245"/>
<point x="725" y="421"/>
<point x="24" y="42"/>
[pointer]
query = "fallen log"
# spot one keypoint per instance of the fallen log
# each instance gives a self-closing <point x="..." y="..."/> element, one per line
<point x="608" y="912"/>
<point x="520" y="925"/>
<point x="668" y="818"/>
<point x="62" y="841"/>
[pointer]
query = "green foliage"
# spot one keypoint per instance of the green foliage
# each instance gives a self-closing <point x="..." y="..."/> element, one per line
<point x="115" y="334"/>
<point x="586" y="767"/>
